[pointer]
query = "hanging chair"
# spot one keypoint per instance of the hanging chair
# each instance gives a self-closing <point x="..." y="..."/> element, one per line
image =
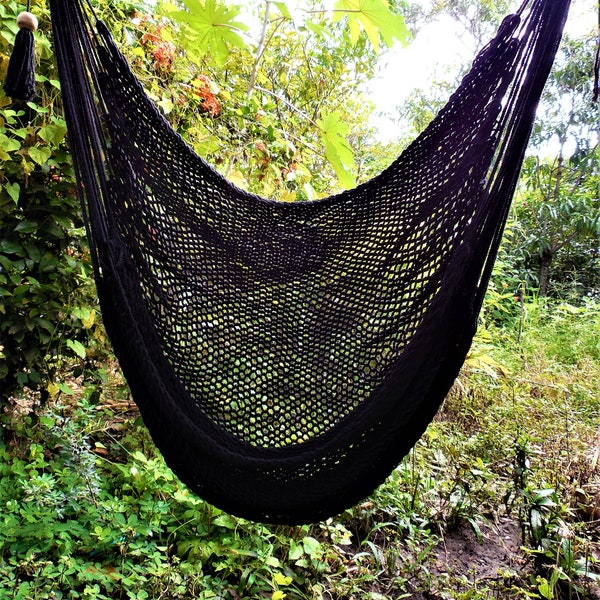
<point x="286" y="356"/>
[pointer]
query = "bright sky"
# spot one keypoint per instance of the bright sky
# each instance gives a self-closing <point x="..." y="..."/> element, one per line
<point x="436" y="52"/>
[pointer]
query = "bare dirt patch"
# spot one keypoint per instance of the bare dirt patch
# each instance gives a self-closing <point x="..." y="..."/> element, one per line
<point x="497" y="550"/>
<point x="466" y="559"/>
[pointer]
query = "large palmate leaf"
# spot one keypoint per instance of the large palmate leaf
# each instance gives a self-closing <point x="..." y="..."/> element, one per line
<point x="213" y="26"/>
<point x="375" y="17"/>
<point x="337" y="149"/>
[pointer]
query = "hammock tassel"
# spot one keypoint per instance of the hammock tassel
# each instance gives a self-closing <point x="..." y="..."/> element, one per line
<point x="20" y="77"/>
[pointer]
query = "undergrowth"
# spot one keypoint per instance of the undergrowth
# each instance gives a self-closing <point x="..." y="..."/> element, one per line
<point x="499" y="499"/>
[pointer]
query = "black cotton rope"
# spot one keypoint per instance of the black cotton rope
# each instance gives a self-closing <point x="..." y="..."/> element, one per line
<point x="20" y="76"/>
<point x="596" y="88"/>
<point x="286" y="356"/>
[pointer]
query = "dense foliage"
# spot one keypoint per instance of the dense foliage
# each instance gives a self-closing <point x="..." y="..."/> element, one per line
<point x="88" y="508"/>
<point x="554" y="241"/>
<point x="46" y="295"/>
<point x="282" y="136"/>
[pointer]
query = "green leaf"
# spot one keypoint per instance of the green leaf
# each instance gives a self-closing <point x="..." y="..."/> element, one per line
<point x="48" y="422"/>
<point x="337" y="149"/>
<point x="6" y="263"/>
<point x="13" y="190"/>
<point x="53" y="134"/>
<point x="26" y="226"/>
<point x="9" y="247"/>
<point x="320" y="31"/>
<point x="9" y="36"/>
<point x="77" y="347"/>
<point x="281" y="579"/>
<point x="166" y="104"/>
<point x="65" y="389"/>
<point x="38" y="109"/>
<point x="47" y="325"/>
<point x="272" y="561"/>
<point x="39" y="154"/>
<point x="545" y="589"/>
<point x="283" y="9"/>
<point x="87" y="316"/>
<point x="535" y="520"/>
<point x="375" y="17"/>
<point x="312" y="547"/>
<point x="225" y="521"/>
<point x="139" y="456"/>
<point x="296" y="551"/>
<point x="214" y="27"/>
<point x="9" y="115"/>
<point x="7" y="145"/>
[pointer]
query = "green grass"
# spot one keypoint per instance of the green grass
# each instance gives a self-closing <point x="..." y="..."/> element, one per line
<point x="89" y="510"/>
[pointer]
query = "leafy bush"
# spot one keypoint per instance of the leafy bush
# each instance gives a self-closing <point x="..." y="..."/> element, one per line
<point x="46" y="291"/>
<point x="89" y="510"/>
<point x="261" y="138"/>
<point x="86" y="517"/>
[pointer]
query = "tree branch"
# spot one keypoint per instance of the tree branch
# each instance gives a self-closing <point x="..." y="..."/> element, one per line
<point x="261" y="47"/>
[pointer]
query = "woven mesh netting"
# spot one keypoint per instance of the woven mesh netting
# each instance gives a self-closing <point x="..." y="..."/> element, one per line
<point x="285" y="356"/>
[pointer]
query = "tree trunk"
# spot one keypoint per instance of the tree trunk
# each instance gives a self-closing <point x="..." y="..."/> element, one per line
<point x="545" y="262"/>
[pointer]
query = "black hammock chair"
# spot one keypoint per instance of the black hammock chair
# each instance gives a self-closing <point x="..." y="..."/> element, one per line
<point x="286" y="356"/>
